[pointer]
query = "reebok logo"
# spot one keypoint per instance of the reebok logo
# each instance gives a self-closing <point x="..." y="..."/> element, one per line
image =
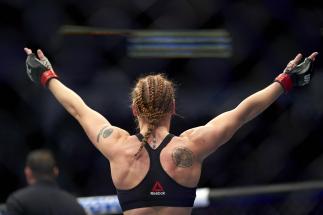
<point x="157" y="190"/>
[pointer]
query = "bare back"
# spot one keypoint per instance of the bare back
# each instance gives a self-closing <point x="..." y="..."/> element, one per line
<point x="177" y="160"/>
<point x="159" y="211"/>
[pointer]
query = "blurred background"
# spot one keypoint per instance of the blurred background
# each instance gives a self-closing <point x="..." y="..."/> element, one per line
<point x="284" y="144"/>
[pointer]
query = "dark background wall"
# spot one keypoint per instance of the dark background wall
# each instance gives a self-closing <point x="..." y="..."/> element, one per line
<point x="284" y="144"/>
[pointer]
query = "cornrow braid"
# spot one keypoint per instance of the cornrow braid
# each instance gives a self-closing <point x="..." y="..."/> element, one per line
<point x="140" y="99"/>
<point x="152" y="97"/>
<point x="151" y="94"/>
<point x="160" y="90"/>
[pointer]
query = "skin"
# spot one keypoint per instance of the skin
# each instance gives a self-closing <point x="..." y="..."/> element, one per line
<point x="182" y="158"/>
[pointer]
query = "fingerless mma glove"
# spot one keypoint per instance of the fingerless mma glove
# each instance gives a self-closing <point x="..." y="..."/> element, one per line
<point x="298" y="76"/>
<point x="39" y="71"/>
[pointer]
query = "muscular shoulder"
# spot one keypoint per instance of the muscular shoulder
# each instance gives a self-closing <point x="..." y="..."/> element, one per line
<point x="203" y="140"/>
<point x="109" y="138"/>
<point x="111" y="133"/>
<point x="115" y="142"/>
<point x="180" y="150"/>
<point x="193" y="135"/>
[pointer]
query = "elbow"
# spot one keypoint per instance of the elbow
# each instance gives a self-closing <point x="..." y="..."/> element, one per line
<point x="241" y="116"/>
<point x="248" y="111"/>
<point x="74" y="111"/>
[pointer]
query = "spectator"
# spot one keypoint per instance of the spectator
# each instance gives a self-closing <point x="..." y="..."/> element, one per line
<point x="42" y="196"/>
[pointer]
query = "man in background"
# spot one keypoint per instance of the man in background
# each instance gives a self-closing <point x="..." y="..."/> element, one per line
<point x="42" y="196"/>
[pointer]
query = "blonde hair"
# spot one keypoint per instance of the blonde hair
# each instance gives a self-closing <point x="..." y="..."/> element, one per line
<point x="153" y="98"/>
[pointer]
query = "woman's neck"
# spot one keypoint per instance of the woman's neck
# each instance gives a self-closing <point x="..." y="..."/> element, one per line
<point x="160" y="131"/>
<point x="157" y="136"/>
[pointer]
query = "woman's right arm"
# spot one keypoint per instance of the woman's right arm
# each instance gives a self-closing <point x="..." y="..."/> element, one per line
<point x="206" y="139"/>
<point x="219" y="130"/>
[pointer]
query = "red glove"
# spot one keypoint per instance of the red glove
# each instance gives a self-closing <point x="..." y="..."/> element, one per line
<point x="39" y="70"/>
<point x="297" y="74"/>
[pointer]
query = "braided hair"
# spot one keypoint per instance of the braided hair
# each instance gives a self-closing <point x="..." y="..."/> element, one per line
<point x="153" y="98"/>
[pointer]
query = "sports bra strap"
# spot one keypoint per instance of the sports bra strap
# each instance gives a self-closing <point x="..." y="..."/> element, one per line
<point x="165" y="141"/>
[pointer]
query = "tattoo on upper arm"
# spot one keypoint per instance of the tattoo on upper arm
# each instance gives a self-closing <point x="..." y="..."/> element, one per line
<point x="182" y="157"/>
<point x="104" y="132"/>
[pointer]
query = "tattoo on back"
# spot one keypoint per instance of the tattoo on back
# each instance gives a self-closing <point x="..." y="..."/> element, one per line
<point x="104" y="132"/>
<point x="182" y="157"/>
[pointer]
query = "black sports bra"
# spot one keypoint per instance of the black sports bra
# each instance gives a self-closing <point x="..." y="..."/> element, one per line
<point x="157" y="188"/>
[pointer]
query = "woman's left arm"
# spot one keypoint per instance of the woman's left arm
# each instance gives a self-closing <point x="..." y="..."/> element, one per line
<point x="102" y="134"/>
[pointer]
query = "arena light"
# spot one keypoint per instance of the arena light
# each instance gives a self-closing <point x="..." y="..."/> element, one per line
<point x="165" y="43"/>
<point x="180" y="44"/>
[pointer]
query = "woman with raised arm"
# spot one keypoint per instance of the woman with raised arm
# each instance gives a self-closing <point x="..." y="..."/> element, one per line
<point x="155" y="172"/>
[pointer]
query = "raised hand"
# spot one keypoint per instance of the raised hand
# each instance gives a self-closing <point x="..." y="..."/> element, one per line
<point x="39" y="69"/>
<point x="297" y="74"/>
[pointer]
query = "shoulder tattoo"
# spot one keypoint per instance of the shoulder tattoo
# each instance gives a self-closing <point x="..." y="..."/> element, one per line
<point x="105" y="132"/>
<point x="182" y="157"/>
